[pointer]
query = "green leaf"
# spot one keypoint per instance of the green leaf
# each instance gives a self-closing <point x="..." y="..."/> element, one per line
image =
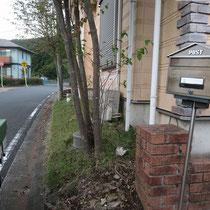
<point x="124" y="83"/>
<point x="147" y="42"/>
<point x="139" y="55"/>
<point x="141" y="50"/>
<point x="123" y="34"/>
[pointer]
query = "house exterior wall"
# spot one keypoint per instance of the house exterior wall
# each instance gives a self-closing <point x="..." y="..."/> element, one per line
<point x="16" y="59"/>
<point x="143" y="30"/>
<point x="18" y="56"/>
<point x="169" y="36"/>
<point x="14" y="55"/>
<point x="23" y="56"/>
<point x="189" y="30"/>
<point x="144" y="27"/>
<point x="174" y="35"/>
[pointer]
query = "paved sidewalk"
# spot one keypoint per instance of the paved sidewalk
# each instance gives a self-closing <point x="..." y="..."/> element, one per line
<point x="7" y="88"/>
<point x="23" y="186"/>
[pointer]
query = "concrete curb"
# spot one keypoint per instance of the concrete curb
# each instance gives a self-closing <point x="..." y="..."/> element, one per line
<point x="13" y="147"/>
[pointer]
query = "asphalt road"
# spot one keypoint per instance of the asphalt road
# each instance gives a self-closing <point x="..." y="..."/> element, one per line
<point x="23" y="185"/>
<point x="17" y="104"/>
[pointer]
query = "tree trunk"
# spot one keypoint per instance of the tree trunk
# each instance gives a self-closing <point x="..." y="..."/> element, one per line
<point x="58" y="62"/>
<point x="96" y="84"/>
<point x="72" y="70"/>
<point x="84" y="92"/>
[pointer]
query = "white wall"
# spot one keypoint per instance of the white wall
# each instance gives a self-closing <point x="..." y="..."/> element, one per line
<point x="201" y="137"/>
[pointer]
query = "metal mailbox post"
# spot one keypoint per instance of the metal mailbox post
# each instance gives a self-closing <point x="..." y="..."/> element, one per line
<point x="189" y="80"/>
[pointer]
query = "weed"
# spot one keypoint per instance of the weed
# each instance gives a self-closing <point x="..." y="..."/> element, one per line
<point x="65" y="163"/>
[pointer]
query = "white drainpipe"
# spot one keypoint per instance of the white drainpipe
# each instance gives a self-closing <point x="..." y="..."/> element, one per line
<point x="155" y="61"/>
<point x="129" y="78"/>
<point x="118" y="45"/>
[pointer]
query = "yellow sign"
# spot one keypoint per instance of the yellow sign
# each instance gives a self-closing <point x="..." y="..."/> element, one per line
<point x="24" y="64"/>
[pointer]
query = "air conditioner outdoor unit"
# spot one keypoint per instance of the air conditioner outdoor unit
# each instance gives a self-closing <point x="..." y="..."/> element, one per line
<point x="110" y="100"/>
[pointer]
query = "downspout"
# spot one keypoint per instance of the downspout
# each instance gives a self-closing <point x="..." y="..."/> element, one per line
<point x="118" y="45"/>
<point x="129" y="78"/>
<point x="155" y="62"/>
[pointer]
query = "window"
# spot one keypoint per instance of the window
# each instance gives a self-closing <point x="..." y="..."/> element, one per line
<point x="4" y="52"/>
<point x="108" y="32"/>
<point x="22" y="55"/>
<point x="7" y="71"/>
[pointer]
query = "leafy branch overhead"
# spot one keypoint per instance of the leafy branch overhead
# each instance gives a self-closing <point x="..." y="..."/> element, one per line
<point x="124" y="59"/>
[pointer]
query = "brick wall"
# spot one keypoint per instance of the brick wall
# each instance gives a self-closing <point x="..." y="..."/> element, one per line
<point x="160" y="157"/>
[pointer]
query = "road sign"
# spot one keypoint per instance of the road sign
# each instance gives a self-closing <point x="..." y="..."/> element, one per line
<point x="24" y="64"/>
<point x="1" y="63"/>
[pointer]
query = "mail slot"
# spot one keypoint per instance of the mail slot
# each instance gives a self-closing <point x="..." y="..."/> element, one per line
<point x="189" y="72"/>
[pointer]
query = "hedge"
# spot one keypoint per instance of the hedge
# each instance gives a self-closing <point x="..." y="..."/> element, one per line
<point x="18" y="82"/>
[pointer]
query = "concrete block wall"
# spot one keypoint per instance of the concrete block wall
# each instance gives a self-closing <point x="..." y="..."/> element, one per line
<point x="160" y="154"/>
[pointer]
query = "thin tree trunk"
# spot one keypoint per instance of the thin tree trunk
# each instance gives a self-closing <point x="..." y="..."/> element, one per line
<point x="59" y="75"/>
<point x="84" y="95"/>
<point x="80" y="77"/>
<point x="73" y="76"/>
<point x="96" y="85"/>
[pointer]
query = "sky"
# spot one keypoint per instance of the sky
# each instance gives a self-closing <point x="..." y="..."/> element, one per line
<point x="7" y="29"/>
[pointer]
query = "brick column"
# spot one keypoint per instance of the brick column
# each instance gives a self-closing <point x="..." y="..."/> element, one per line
<point x="160" y="154"/>
<point x="193" y="23"/>
<point x="200" y="184"/>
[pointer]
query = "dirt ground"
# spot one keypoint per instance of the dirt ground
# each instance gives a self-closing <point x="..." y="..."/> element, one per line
<point x="109" y="188"/>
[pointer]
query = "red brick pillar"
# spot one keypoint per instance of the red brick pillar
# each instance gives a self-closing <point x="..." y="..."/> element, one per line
<point x="200" y="184"/>
<point x="159" y="165"/>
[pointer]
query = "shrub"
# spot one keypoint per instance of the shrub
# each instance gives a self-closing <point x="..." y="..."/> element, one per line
<point x="18" y="82"/>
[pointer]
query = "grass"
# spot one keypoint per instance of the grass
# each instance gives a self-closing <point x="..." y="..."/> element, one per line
<point x="64" y="163"/>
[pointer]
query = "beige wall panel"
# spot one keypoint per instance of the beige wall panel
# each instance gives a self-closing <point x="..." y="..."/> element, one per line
<point x="206" y="112"/>
<point x="149" y="11"/>
<point x="144" y="31"/>
<point x="142" y="79"/>
<point x="125" y="28"/>
<point x="145" y="93"/>
<point x="167" y="101"/>
<point x="169" y="35"/>
<point x="137" y="93"/>
<point x="162" y="81"/>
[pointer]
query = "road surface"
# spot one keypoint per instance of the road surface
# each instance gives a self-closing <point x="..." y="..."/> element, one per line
<point x="17" y="104"/>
